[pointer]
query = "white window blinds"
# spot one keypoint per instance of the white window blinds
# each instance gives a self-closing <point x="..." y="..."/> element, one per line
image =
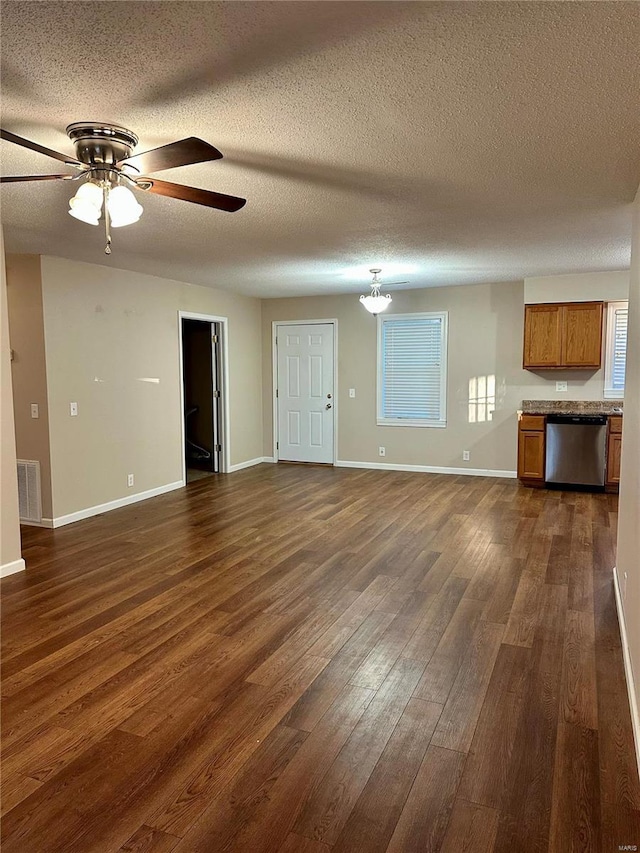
<point x="616" y="349"/>
<point x="412" y="369"/>
<point x="619" y="348"/>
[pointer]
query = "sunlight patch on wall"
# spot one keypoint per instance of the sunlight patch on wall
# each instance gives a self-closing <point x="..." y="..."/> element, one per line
<point x="482" y="398"/>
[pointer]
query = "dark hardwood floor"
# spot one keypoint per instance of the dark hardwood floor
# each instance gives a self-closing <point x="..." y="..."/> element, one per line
<point x="297" y="659"/>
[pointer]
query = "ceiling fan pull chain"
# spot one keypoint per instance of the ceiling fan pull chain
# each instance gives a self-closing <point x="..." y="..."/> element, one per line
<point x="107" y="221"/>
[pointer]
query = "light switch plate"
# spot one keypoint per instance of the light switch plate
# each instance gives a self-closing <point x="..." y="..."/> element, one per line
<point x="35" y="412"/>
<point x="73" y="410"/>
<point x="352" y="392"/>
<point x="561" y="386"/>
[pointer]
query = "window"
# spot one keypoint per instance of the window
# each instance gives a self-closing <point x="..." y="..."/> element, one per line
<point x="615" y="357"/>
<point x="412" y="370"/>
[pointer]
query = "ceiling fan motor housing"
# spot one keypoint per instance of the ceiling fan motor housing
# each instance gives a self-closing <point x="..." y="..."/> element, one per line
<point x="101" y="144"/>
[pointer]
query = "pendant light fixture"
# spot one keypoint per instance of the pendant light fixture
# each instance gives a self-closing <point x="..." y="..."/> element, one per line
<point x="375" y="302"/>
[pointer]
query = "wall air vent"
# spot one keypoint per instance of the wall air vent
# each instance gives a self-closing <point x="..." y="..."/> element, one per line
<point x="29" y="495"/>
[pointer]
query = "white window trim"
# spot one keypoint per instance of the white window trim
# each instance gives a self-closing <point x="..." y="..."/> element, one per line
<point x="610" y="393"/>
<point x="403" y="422"/>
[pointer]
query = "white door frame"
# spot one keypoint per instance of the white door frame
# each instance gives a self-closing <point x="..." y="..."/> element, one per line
<point x="274" y="378"/>
<point x="224" y="397"/>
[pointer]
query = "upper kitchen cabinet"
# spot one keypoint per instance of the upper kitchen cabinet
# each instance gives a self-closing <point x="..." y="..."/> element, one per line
<point x="582" y="334"/>
<point x="563" y="335"/>
<point x="542" y="336"/>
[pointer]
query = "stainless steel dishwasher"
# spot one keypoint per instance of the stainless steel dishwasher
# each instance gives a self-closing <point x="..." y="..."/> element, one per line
<point x="575" y="454"/>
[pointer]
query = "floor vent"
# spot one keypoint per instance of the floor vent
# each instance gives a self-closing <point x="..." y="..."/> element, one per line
<point x="29" y="497"/>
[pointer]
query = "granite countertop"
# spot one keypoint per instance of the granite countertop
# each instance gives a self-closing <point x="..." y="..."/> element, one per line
<point x="572" y="407"/>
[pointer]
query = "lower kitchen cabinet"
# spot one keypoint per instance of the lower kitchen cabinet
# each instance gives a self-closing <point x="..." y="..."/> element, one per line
<point x="614" y="448"/>
<point x="531" y="450"/>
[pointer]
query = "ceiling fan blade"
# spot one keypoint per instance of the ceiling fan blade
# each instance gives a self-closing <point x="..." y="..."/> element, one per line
<point x="13" y="180"/>
<point x="27" y="143"/>
<point x="220" y="201"/>
<point x="185" y="152"/>
<point x="391" y="283"/>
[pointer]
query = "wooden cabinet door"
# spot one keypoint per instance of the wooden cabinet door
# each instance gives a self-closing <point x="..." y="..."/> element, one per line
<point x="582" y="334"/>
<point x="542" y="336"/>
<point x="614" y="448"/>
<point x="615" y="423"/>
<point x="530" y="455"/>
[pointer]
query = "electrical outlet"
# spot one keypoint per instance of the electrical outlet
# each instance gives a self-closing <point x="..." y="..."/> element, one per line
<point x="73" y="410"/>
<point x="465" y="455"/>
<point x="352" y="392"/>
<point x="129" y="480"/>
<point x="382" y="451"/>
<point x="35" y="412"/>
<point x="561" y="386"/>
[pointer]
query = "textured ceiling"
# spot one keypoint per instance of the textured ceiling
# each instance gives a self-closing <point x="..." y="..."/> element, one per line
<point x="447" y="143"/>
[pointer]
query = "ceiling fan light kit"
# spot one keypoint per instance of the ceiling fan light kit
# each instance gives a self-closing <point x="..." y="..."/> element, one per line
<point x="375" y="302"/>
<point x="120" y="206"/>
<point x="104" y="156"/>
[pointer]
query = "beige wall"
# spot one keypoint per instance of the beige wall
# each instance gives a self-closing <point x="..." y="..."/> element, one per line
<point x="28" y="368"/>
<point x="108" y="332"/>
<point x="485" y="337"/>
<point x="628" y="557"/>
<point x="578" y="287"/>
<point x="10" y="559"/>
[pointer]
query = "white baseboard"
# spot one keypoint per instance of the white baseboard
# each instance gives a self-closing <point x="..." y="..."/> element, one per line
<point x="12" y="568"/>
<point x="628" y="669"/>
<point x="269" y="459"/>
<point x="249" y="463"/>
<point x="44" y="522"/>
<point x="62" y="520"/>
<point x="428" y="469"/>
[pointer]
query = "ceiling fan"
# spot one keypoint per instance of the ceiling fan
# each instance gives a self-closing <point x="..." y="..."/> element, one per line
<point x="375" y="302"/>
<point x="108" y="168"/>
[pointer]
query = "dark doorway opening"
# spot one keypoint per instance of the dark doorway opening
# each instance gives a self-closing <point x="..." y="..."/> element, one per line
<point x="202" y="397"/>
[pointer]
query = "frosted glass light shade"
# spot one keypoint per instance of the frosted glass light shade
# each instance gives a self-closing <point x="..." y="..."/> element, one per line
<point x="376" y="304"/>
<point x="88" y="192"/>
<point x="84" y="211"/>
<point x="123" y="207"/>
<point x="86" y="204"/>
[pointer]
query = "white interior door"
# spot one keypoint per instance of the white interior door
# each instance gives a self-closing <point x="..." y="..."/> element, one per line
<point x="305" y="392"/>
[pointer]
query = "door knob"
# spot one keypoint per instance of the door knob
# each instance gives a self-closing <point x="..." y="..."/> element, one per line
<point x="328" y="406"/>
<point x="328" y="396"/>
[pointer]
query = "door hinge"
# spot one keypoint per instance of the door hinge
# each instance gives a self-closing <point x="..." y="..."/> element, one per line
<point x="214" y="338"/>
<point x="276" y="392"/>
<point x="216" y="393"/>
<point x="277" y="445"/>
<point x="218" y="447"/>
